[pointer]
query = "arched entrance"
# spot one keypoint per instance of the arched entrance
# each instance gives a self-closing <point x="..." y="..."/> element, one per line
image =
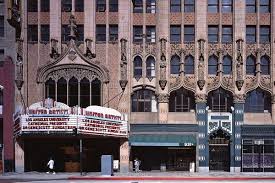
<point x="219" y="151"/>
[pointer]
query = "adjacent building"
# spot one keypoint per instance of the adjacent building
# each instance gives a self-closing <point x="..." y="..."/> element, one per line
<point x="194" y="77"/>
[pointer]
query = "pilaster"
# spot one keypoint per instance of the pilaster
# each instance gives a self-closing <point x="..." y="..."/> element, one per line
<point x="19" y="157"/>
<point x="124" y="156"/>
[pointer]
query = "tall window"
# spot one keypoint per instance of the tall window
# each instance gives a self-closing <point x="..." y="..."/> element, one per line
<point x="175" y="5"/>
<point x="213" y="6"/>
<point x="189" y="6"/>
<point x="150" y="6"/>
<point x="175" y="33"/>
<point x="100" y="5"/>
<point x="251" y="34"/>
<point x="226" y="6"/>
<point x="181" y="100"/>
<point x="137" y="34"/>
<point x="150" y="67"/>
<point x="251" y="6"/>
<point x="32" y="5"/>
<point x="213" y="33"/>
<point x="265" y="65"/>
<point x="264" y="6"/>
<point x="66" y="5"/>
<point x="89" y="93"/>
<point x="220" y="100"/>
<point x="100" y="33"/>
<point x="257" y="101"/>
<point x="2" y="26"/>
<point x="264" y="34"/>
<point x="175" y="65"/>
<point x="32" y="33"/>
<point x="44" y="5"/>
<point x="113" y="33"/>
<point x="151" y="34"/>
<point x="189" y="33"/>
<point x="79" y="5"/>
<point x="65" y="33"/>
<point x="227" y="34"/>
<point x="251" y="65"/>
<point x="137" y="67"/>
<point x="50" y="89"/>
<point x="212" y="65"/>
<point x="189" y="65"/>
<point x="138" y="6"/>
<point x="80" y="33"/>
<point x="45" y="33"/>
<point x="227" y="64"/>
<point x="113" y="5"/>
<point x="144" y="101"/>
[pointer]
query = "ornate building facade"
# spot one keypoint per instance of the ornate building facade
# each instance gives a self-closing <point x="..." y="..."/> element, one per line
<point x="195" y="77"/>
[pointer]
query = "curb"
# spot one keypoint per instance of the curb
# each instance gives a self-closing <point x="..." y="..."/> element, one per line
<point x="144" y="178"/>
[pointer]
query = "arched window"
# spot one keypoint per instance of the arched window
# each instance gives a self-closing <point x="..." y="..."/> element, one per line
<point x="257" y="101"/>
<point x="84" y="92"/>
<point x="175" y="64"/>
<point x="50" y="89"/>
<point x="227" y="64"/>
<point x="181" y="100"/>
<point x="265" y="67"/>
<point x="144" y="101"/>
<point x="150" y="67"/>
<point x="189" y="65"/>
<point x="212" y="65"/>
<point x="220" y="100"/>
<point x="62" y="90"/>
<point x="137" y="67"/>
<point x="251" y="65"/>
<point x="96" y="91"/>
<point x="73" y="92"/>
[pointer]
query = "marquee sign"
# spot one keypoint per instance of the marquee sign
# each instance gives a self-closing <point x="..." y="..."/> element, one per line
<point x="54" y="117"/>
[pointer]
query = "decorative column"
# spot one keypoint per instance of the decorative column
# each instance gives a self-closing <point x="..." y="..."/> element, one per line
<point x="203" y="146"/>
<point x="123" y="65"/>
<point x="19" y="156"/>
<point x="201" y="65"/>
<point x="238" y="118"/>
<point x="124" y="152"/>
<point x="163" y="101"/>
<point x="163" y="64"/>
<point x="239" y="64"/>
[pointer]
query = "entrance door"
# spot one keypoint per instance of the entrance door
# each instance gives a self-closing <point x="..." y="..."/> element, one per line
<point x="219" y="152"/>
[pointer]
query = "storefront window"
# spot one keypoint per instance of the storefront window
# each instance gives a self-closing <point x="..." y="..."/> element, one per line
<point x="181" y="101"/>
<point x="258" y="155"/>
<point x="144" y="101"/>
<point x="258" y="101"/>
<point x="220" y="100"/>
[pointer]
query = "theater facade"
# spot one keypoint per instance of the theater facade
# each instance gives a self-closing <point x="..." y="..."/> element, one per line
<point x="195" y="79"/>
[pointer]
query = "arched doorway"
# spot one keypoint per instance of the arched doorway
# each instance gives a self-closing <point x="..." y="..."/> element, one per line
<point x="219" y="151"/>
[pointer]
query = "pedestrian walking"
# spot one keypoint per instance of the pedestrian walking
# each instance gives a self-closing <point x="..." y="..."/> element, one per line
<point x="137" y="164"/>
<point x="50" y="166"/>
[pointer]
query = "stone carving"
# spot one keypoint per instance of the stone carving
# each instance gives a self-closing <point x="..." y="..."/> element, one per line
<point x="89" y="49"/>
<point x="175" y="82"/>
<point x="189" y="82"/>
<point x="163" y="98"/>
<point x="137" y="49"/>
<point x="200" y="97"/>
<point x="163" y="81"/>
<point x="227" y="83"/>
<point x="239" y="65"/>
<point x="189" y="49"/>
<point x="264" y="50"/>
<point x="251" y="49"/>
<point x="19" y="65"/>
<point x="265" y="82"/>
<point x="72" y="55"/>
<point x="227" y="49"/>
<point x="213" y="49"/>
<point x="150" y="49"/>
<point x="175" y="49"/>
<point x="54" y="49"/>
<point x="251" y="82"/>
<point x="239" y="98"/>
<point x="201" y="80"/>
<point x="213" y="83"/>
<point x="68" y="73"/>
<point x="72" y="26"/>
<point x="123" y="65"/>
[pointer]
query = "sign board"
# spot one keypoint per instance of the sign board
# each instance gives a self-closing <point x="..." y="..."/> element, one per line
<point x="49" y="116"/>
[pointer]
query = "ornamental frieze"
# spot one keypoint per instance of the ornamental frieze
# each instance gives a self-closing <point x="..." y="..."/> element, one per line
<point x="251" y="82"/>
<point x="213" y="82"/>
<point x="189" y="49"/>
<point x="251" y="49"/>
<point x="264" y="50"/>
<point x="228" y="83"/>
<point x="175" y="82"/>
<point x="265" y="83"/>
<point x="190" y="82"/>
<point x="213" y="49"/>
<point x="151" y="49"/>
<point x="175" y="49"/>
<point x="137" y="49"/>
<point x="227" y="49"/>
<point x="163" y="98"/>
<point x="239" y="98"/>
<point x="200" y="98"/>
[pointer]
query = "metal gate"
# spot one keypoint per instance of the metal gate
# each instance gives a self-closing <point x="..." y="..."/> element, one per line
<point x="219" y="153"/>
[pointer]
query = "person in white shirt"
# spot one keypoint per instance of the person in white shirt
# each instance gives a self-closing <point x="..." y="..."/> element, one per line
<point x="50" y="165"/>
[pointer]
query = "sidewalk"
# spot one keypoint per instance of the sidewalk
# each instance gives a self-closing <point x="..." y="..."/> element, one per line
<point x="141" y="176"/>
